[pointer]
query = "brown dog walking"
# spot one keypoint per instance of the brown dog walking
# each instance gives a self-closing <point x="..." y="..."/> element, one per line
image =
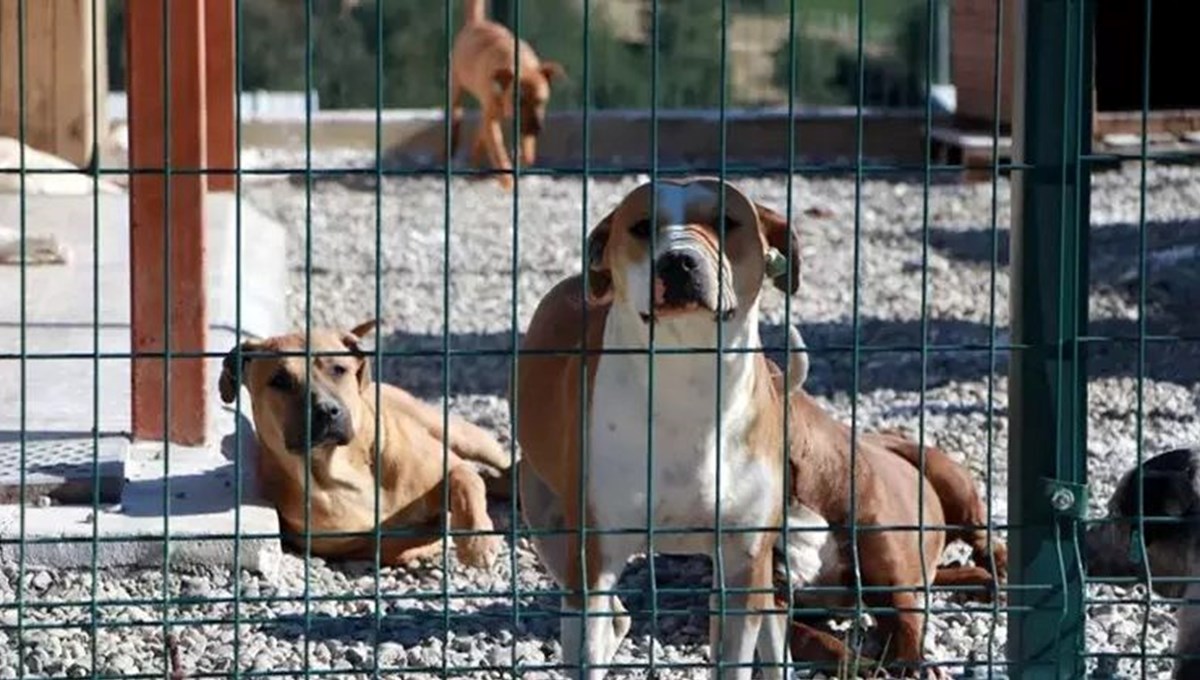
<point x="329" y="426"/>
<point x="483" y="64"/>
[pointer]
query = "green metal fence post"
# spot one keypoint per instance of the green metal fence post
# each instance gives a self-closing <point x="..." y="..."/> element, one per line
<point x="1047" y="445"/>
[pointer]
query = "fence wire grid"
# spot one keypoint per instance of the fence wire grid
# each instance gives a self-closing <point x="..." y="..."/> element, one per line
<point x="1041" y="332"/>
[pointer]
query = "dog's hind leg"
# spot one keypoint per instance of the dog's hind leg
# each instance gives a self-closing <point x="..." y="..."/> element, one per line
<point x="749" y="574"/>
<point x="478" y="151"/>
<point x="492" y="137"/>
<point x="772" y="644"/>
<point x="472" y="443"/>
<point x="960" y="498"/>
<point x="543" y="513"/>
<point x="973" y="583"/>
<point x="466" y="439"/>
<point x="903" y="632"/>
<point x="815" y="647"/>
<point x="468" y="512"/>
<point x="399" y="551"/>
<point x="592" y="628"/>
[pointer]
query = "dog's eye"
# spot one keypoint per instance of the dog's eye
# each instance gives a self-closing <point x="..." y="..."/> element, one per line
<point x="338" y="370"/>
<point x="640" y="229"/>
<point x="281" y="380"/>
<point x="731" y="224"/>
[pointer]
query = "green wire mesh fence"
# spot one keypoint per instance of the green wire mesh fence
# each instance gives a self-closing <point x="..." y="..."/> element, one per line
<point x="1025" y="313"/>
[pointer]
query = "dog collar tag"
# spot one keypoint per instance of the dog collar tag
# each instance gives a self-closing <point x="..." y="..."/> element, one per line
<point x="776" y="263"/>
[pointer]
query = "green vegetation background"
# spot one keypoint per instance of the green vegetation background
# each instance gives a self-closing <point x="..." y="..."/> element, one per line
<point x="347" y="42"/>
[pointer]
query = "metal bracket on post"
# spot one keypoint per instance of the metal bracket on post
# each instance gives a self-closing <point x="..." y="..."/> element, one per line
<point x="1068" y="500"/>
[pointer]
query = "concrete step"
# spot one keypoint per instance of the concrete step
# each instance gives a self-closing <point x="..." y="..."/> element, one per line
<point x="154" y="500"/>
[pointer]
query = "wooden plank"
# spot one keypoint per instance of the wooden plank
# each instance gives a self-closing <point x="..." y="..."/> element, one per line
<point x="1130" y="122"/>
<point x="22" y="29"/>
<point x="58" y="97"/>
<point x="221" y="54"/>
<point x="78" y="110"/>
<point x="160" y="239"/>
<point x="973" y="67"/>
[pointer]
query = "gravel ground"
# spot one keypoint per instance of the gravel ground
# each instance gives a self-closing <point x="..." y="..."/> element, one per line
<point x="482" y="627"/>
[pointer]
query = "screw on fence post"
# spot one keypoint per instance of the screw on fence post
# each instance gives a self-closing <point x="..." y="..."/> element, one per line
<point x="1047" y="378"/>
<point x="1062" y="500"/>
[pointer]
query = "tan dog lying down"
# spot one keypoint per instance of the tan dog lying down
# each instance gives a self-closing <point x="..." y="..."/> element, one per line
<point x="342" y="454"/>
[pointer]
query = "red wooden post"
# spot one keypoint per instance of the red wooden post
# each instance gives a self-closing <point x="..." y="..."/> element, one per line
<point x="159" y="235"/>
<point x="219" y="34"/>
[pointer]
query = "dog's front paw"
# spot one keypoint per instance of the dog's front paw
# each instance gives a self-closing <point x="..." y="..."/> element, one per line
<point x="478" y="551"/>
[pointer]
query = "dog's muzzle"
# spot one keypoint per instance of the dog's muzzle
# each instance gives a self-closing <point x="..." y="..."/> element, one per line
<point x="686" y="280"/>
<point x="682" y="283"/>
<point x="330" y="424"/>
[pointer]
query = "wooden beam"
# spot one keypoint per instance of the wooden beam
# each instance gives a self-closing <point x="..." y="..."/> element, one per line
<point x="61" y="109"/>
<point x="167" y="239"/>
<point x="221" y="55"/>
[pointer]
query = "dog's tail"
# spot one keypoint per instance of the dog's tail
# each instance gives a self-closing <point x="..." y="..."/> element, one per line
<point x="959" y="496"/>
<point x="476" y="12"/>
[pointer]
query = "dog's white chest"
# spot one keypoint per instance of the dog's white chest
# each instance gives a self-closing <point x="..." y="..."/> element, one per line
<point x="668" y="465"/>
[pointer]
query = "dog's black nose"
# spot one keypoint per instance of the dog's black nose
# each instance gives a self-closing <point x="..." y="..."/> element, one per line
<point x="330" y="421"/>
<point x="327" y="410"/>
<point x="325" y="414"/>
<point x="677" y="269"/>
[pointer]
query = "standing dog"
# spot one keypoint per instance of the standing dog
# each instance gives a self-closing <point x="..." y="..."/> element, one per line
<point x="339" y="404"/>
<point x="707" y="454"/>
<point x="1171" y="506"/>
<point x="482" y="63"/>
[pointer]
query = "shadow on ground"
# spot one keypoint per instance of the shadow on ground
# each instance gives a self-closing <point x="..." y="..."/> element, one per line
<point x="889" y="356"/>
<point x="207" y="492"/>
<point x="481" y="363"/>
<point x="682" y="607"/>
<point x="1172" y="285"/>
<point x="1172" y="264"/>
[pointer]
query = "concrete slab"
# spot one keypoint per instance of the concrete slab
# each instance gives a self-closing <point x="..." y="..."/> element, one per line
<point x="204" y="524"/>
<point x="75" y="380"/>
<point x="73" y="311"/>
<point x="62" y="469"/>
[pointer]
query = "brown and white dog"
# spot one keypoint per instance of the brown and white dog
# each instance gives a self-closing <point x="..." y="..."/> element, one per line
<point x="340" y="451"/>
<point x="482" y="63"/>
<point x="684" y="290"/>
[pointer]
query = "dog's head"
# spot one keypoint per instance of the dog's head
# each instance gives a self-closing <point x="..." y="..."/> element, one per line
<point x="535" y="95"/>
<point x="671" y="266"/>
<point x="286" y="393"/>
<point x="1171" y="506"/>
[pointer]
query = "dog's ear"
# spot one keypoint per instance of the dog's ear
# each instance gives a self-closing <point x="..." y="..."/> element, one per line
<point x="352" y="342"/>
<point x="365" y="327"/>
<point x="552" y="70"/>
<point x="599" y="271"/>
<point x="781" y="236"/>
<point x="228" y="384"/>
<point x="503" y="77"/>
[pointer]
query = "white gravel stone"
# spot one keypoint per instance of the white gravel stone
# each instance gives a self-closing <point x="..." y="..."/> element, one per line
<point x="481" y="306"/>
